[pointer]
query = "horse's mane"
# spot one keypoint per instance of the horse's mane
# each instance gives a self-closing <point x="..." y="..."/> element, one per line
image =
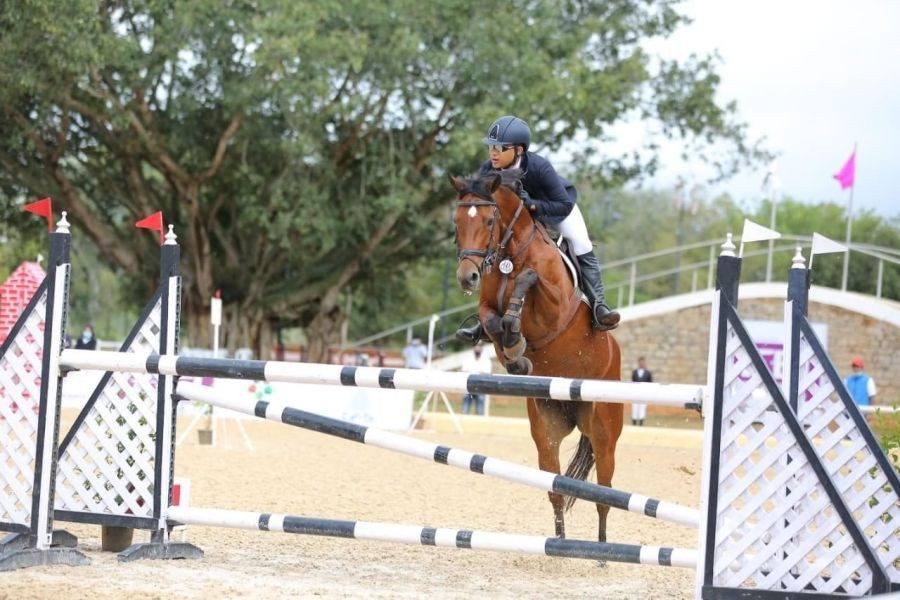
<point x="478" y="183"/>
<point x="512" y="178"/>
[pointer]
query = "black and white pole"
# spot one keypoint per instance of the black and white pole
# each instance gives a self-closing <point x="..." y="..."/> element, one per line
<point x="432" y="536"/>
<point x="553" y="388"/>
<point x="549" y="482"/>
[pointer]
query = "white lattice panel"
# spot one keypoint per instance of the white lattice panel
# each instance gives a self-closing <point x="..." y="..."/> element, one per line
<point x="848" y="459"/>
<point x="776" y="528"/>
<point x="20" y="383"/>
<point x="108" y="466"/>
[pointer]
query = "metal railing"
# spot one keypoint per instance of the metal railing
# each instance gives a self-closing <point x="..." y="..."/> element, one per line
<point x="624" y="277"/>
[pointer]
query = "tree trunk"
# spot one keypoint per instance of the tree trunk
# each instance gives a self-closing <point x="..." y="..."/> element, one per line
<point x="322" y="332"/>
<point x="240" y="328"/>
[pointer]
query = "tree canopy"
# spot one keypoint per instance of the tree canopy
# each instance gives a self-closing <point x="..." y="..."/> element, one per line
<point x="300" y="147"/>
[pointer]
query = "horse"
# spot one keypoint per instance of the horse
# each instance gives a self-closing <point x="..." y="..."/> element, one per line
<point x="539" y="325"/>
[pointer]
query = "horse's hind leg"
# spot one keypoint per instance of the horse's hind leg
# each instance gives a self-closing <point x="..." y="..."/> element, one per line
<point x="603" y="427"/>
<point x="549" y="426"/>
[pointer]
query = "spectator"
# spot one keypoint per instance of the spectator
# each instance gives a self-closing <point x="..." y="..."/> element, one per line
<point x="639" y="411"/>
<point x="477" y="362"/>
<point x="87" y="341"/>
<point x="414" y="354"/>
<point x="860" y="385"/>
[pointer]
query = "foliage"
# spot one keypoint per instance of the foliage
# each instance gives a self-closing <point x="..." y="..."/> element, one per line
<point x="830" y="220"/>
<point x="886" y="426"/>
<point x="299" y="148"/>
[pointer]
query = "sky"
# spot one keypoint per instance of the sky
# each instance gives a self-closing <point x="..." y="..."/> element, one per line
<point x="813" y="78"/>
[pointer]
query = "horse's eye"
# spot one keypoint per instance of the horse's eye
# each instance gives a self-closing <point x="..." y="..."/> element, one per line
<point x="489" y="222"/>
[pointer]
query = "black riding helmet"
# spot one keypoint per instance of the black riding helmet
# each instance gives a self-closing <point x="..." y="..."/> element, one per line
<point x="509" y="130"/>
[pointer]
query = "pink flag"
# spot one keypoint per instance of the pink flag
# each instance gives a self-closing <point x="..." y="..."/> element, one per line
<point x="847" y="173"/>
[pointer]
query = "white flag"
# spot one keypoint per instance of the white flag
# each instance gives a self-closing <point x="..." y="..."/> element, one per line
<point x="754" y="232"/>
<point x="824" y="245"/>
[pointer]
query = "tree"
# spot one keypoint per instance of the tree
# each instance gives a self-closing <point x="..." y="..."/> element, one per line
<point x="299" y="147"/>
<point x="830" y="219"/>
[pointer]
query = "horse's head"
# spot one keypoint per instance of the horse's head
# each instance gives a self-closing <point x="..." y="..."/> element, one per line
<point x="480" y="223"/>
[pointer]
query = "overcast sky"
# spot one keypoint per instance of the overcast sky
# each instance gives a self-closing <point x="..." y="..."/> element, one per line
<point x="813" y="77"/>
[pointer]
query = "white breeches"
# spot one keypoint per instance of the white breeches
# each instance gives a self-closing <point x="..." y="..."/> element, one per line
<point x="638" y="412"/>
<point x="575" y="231"/>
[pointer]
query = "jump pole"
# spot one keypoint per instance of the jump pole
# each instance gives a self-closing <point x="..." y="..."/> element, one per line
<point x="552" y="388"/>
<point x="430" y="536"/>
<point x="477" y="463"/>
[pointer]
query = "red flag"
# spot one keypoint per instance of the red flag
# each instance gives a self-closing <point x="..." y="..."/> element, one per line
<point x="847" y="174"/>
<point x="42" y="208"/>
<point x="155" y="222"/>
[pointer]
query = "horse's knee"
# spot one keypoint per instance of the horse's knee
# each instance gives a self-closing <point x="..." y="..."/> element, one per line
<point x="494" y="326"/>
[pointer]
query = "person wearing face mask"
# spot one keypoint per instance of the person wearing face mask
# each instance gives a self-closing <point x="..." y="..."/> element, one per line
<point x="87" y="341"/>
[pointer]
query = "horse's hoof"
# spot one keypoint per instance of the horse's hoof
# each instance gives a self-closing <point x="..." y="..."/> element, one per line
<point x="522" y="366"/>
<point x="515" y="351"/>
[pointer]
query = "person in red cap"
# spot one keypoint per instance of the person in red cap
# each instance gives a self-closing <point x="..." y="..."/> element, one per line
<point x="860" y="385"/>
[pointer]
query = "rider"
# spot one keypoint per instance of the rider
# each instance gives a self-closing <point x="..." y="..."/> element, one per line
<point x="551" y="199"/>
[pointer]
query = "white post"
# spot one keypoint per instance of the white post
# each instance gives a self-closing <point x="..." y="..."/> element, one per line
<point x="431" y="324"/>
<point x="772" y="186"/>
<point x="215" y="317"/>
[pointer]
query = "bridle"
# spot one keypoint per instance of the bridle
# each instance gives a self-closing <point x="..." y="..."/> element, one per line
<point x="491" y="253"/>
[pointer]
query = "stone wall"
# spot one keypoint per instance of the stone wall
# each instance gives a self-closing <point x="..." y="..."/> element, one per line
<point x="676" y="344"/>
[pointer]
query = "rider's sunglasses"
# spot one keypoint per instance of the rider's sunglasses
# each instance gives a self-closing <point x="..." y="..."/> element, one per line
<point x="500" y="147"/>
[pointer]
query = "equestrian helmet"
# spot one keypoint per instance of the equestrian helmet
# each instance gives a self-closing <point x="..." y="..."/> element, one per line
<point x="509" y="130"/>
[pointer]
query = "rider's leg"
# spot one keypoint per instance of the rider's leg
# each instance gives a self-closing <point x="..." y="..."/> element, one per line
<point x="575" y="231"/>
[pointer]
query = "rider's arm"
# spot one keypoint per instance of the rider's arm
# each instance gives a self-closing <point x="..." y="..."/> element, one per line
<point x="558" y="203"/>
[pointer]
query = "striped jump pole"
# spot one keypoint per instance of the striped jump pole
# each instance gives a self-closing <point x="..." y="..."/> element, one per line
<point x="553" y="388"/>
<point x="549" y="482"/>
<point x="430" y="536"/>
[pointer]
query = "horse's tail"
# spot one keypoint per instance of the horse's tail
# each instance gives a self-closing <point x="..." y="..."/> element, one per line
<point x="580" y="465"/>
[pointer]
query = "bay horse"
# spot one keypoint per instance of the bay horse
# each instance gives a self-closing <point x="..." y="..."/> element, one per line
<point x="532" y="310"/>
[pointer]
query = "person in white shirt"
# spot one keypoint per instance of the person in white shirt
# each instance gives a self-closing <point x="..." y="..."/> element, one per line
<point x="415" y="354"/>
<point x="477" y="362"/>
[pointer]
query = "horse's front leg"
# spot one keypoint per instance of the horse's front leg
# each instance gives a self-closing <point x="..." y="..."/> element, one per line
<point x="513" y="341"/>
<point x="492" y="323"/>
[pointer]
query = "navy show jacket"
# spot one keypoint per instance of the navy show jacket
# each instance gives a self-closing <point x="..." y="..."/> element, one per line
<point x="552" y="195"/>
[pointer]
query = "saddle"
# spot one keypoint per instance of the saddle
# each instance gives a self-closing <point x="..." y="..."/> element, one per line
<point x="571" y="261"/>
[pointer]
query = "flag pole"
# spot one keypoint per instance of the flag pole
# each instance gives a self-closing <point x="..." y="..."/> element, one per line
<point x="849" y="228"/>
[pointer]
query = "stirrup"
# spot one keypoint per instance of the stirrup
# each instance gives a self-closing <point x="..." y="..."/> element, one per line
<point x="471" y="335"/>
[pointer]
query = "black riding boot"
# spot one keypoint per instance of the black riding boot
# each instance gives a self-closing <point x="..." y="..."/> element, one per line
<point x="472" y="334"/>
<point x="605" y="318"/>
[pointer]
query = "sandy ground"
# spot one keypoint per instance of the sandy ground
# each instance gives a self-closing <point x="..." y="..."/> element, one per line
<point x="309" y="474"/>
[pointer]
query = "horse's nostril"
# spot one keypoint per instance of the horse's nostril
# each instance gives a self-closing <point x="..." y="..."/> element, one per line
<point x="474" y="276"/>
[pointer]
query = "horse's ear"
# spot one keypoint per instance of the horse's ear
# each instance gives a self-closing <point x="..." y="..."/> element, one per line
<point x="457" y="182"/>
<point x="492" y="182"/>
